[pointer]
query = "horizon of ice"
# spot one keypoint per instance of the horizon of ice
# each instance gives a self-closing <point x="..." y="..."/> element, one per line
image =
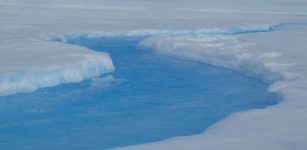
<point x="26" y="26"/>
<point x="154" y="32"/>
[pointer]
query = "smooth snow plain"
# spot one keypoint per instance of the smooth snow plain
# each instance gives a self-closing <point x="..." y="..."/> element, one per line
<point x="28" y="28"/>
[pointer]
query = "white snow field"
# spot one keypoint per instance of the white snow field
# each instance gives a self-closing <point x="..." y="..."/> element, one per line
<point x="267" y="38"/>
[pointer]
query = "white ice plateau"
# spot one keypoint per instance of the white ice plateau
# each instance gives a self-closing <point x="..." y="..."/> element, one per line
<point x="242" y="35"/>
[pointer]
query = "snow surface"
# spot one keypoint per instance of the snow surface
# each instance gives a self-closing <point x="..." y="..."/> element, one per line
<point x="30" y="59"/>
<point x="30" y="65"/>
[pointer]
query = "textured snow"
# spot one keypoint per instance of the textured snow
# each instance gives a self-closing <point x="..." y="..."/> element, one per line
<point x="30" y="60"/>
<point x="223" y="51"/>
<point x="29" y="64"/>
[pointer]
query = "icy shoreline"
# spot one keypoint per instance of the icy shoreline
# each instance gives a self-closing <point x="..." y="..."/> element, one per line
<point x="279" y="127"/>
<point x="35" y="65"/>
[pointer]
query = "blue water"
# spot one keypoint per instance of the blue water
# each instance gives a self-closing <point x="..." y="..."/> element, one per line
<point x="152" y="97"/>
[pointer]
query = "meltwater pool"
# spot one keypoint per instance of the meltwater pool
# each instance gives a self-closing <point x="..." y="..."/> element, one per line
<point x="149" y="97"/>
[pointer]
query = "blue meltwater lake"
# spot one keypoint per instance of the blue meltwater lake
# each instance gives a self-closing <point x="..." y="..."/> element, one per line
<point x="148" y="98"/>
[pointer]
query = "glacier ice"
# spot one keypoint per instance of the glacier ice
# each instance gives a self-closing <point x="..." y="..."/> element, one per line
<point x="25" y="27"/>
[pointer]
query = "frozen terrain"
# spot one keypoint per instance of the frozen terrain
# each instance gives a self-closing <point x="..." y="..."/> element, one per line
<point x="262" y="38"/>
<point x="138" y="103"/>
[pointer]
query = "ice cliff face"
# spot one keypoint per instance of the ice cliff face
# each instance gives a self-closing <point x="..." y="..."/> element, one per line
<point x="27" y="66"/>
